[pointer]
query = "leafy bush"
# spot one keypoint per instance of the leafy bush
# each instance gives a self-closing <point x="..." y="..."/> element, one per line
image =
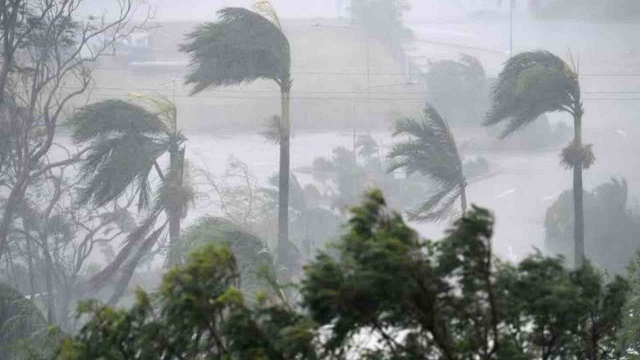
<point x="254" y="260"/>
<point x="411" y="298"/>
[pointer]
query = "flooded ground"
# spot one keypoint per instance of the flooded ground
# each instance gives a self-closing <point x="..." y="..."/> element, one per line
<point x="524" y="185"/>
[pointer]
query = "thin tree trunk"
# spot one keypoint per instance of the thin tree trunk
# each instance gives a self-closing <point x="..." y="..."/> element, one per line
<point x="283" y="183"/>
<point x="30" y="267"/>
<point x="51" y="317"/>
<point x="175" y="183"/>
<point x="578" y="210"/>
<point x="173" y="210"/>
<point x="15" y="197"/>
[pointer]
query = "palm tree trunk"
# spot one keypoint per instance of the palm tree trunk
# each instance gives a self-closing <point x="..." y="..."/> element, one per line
<point x="283" y="183"/>
<point x="578" y="210"/>
<point x="173" y="208"/>
<point x="463" y="197"/>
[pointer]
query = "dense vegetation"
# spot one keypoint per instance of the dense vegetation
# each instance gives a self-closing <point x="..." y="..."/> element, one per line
<point x="455" y="301"/>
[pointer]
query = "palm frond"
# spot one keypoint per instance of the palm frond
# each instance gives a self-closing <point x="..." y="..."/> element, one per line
<point x="132" y="242"/>
<point x="531" y="84"/>
<point x="164" y="108"/>
<point x="429" y="149"/>
<point x="112" y="116"/>
<point x="113" y="165"/>
<point x="439" y="206"/>
<point x="132" y="263"/>
<point x="124" y="141"/>
<point x="241" y="47"/>
<point x="265" y="8"/>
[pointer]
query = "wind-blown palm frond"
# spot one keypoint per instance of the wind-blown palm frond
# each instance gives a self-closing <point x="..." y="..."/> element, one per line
<point x="241" y="47"/>
<point x="163" y="108"/>
<point x="124" y="140"/>
<point x="112" y="116"/>
<point x="132" y="242"/>
<point x="264" y="8"/>
<point x="439" y="206"/>
<point x="430" y="150"/>
<point x="531" y="84"/>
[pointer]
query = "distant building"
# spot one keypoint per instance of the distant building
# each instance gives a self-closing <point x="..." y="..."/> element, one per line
<point x="331" y="64"/>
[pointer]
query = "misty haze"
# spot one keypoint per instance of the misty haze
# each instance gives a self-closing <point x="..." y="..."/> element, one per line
<point x="319" y="179"/>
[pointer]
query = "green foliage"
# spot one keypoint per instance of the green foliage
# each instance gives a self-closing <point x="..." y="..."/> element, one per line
<point x="124" y="140"/>
<point x="410" y="298"/>
<point x="449" y="81"/>
<point x="418" y="297"/>
<point x="629" y="334"/>
<point x="197" y="313"/>
<point x="574" y="155"/>
<point x="561" y="314"/>
<point x="611" y="229"/>
<point x="531" y="84"/>
<point x="241" y="47"/>
<point x="430" y="150"/>
<point x="254" y="261"/>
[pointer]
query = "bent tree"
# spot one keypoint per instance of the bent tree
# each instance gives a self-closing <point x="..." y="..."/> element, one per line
<point x="531" y="84"/>
<point x="125" y="142"/>
<point x="431" y="150"/>
<point x="243" y="46"/>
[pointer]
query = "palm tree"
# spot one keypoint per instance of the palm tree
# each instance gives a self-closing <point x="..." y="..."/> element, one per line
<point x="125" y="142"/>
<point x="530" y="85"/>
<point x="431" y="150"/>
<point x="240" y="47"/>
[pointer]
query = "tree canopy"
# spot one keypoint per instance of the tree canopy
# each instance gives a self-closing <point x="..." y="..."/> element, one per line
<point x="383" y="293"/>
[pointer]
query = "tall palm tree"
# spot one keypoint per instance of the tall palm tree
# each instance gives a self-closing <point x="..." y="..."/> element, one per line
<point x="126" y="141"/>
<point x="240" y="47"/>
<point x="431" y="150"/>
<point x="531" y="84"/>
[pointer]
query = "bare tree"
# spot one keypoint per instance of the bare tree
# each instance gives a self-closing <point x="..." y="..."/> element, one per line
<point x="53" y="235"/>
<point x="236" y="194"/>
<point x="47" y="55"/>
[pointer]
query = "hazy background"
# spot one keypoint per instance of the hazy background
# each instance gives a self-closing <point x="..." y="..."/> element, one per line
<point x="331" y="67"/>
